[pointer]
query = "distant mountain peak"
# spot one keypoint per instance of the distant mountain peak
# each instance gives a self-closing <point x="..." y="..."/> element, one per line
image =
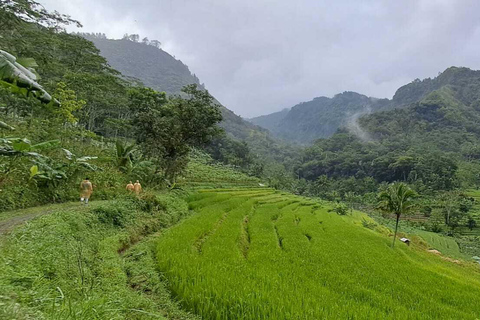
<point x="155" y="67"/>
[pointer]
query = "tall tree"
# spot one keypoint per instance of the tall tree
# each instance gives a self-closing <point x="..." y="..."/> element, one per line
<point x="166" y="130"/>
<point x="397" y="199"/>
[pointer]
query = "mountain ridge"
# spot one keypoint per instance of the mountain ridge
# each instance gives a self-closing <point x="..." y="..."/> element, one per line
<point x="301" y="123"/>
<point x="321" y="117"/>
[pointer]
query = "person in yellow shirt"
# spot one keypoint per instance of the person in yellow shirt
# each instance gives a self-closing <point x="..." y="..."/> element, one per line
<point x="137" y="187"/>
<point x="130" y="187"/>
<point x="86" y="188"/>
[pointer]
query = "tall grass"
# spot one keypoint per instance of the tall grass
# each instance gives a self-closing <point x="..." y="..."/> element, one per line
<point x="77" y="262"/>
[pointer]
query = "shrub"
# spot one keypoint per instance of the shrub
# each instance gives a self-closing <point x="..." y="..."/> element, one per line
<point x="340" y="209"/>
<point x="149" y="202"/>
<point x="117" y="214"/>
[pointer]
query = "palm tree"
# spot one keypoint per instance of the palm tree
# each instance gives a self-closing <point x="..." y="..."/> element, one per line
<point x="397" y="199"/>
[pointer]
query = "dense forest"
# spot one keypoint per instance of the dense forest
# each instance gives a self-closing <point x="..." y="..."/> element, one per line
<point x="430" y="143"/>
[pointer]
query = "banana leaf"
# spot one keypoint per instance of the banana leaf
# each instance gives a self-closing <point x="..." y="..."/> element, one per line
<point x="68" y="154"/>
<point x="45" y="145"/>
<point x="5" y="126"/>
<point x="86" y="158"/>
<point x="13" y="73"/>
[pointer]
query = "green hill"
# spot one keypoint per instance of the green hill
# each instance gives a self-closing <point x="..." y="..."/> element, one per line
<point x="320" y="117"/>
<point x="432" y="144"/>
<point x="159" y="70"/>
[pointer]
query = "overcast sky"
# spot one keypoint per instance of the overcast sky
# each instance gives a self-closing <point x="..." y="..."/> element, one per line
<point x="260" y="56"/>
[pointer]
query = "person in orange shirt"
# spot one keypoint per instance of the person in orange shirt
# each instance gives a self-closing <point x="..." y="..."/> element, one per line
<point x="137" y="187"/>
<point x="130" y="187"/>
<point x="86" y="188"/>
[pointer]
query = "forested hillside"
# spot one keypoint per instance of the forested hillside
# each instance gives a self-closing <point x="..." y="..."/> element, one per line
<point x="432" y="144"/>
<point x="67" y="114"/>
<point x="270" y="121"/>
<point x="144" y="60"/>
<point x="321" y="117"/>
<point x="440" y="131"/>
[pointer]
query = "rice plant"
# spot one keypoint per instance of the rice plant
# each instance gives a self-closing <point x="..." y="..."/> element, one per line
<point x="258" y="254"/>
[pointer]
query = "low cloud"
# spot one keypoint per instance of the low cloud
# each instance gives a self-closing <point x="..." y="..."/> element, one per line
<point x="352" y="125"/>
<point x="260" y="56"/>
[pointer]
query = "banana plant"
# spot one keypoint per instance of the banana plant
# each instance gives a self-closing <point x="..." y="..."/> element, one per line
<point x="20" y="77"/>
<point x="50" y="173"/>
<point x="23" y="147"/>
<point x="5" y="126"/>
<point x="42" y="171"/>
<point x="76" y="164"/>
<point x="125" y="156"/>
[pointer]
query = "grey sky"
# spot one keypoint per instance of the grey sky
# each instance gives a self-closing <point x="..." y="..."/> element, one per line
<point x="260" y="56"/>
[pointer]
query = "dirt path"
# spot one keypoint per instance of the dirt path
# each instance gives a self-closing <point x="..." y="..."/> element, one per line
<point x="11" y="219"/>
<point x="9" y="224"/>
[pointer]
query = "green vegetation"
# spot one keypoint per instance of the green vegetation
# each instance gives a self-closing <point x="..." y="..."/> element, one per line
<point x="167" y="130"/>
<point x="76" y="262"/>
<point x="446" y="245"/>
<point x="84" y="120"/>
<point x="244" y="144"/>
<point x="254" y="254"/>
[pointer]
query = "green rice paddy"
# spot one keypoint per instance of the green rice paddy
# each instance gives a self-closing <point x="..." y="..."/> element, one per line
<point x="260" y="254"/>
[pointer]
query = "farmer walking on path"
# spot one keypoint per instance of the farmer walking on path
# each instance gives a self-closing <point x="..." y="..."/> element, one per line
<point x="130" y="187"/>
<point x="86" y="190"/>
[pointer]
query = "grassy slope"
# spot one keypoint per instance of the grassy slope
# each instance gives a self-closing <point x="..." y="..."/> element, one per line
<point x="259" y="254"/>
<point x="95" y="262"/>
<point x="74" y="264"/>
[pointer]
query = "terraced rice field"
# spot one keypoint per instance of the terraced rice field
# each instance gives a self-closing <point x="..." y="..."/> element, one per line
<point x="258" y="254"/>
<point x="475" y="212"/>
<point x="446" y="245"/>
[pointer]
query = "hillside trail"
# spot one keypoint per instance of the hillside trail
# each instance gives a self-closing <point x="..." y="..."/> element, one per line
<point x="10" y="219"/>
